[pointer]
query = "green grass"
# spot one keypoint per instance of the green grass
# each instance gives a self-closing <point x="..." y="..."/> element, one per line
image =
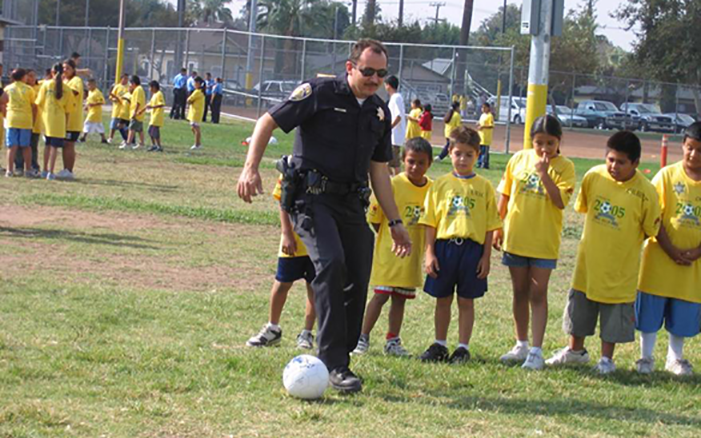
<point x="126" y="299"/>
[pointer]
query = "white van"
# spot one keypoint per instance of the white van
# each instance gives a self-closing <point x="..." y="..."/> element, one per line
<point x="518" y="109"/>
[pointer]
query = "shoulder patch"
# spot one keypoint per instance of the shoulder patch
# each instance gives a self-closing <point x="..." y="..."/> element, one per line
<point x="301" y="93"/>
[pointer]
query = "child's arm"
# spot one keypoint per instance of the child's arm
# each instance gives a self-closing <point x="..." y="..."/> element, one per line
<point x="542" y="167"/>
<point x="289" y="246"/>
<point x="484" y="264"/>
<point x="677" y="255"/>
<point x="431" y="262"/>
<point x="498" y="234"/>
<point x="692" y="254"/>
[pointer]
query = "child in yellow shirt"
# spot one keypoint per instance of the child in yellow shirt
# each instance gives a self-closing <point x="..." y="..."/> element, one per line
<point x="485" y="126"/>
<point x="19" y="120"/>
<point x="54" y="100"/>
<point x="293" y="264"/>
<point x="669" y="288"/>
<point x="412" y="128"/>
<point x="452" y="120"/>
<point x="155" y="105"/>
<point x="391" y="277"/>
<point x="137" y="101"/>
<point x="120" y="109"/>
<point x="195" y="112"/>
<point x="460" y="215"/>
<point x="536" y="187"/>
<point x="93" y="105"/>
<point x="621" y="209"/>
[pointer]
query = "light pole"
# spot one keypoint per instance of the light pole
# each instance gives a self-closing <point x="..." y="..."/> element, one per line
<point x="120" y="41"/>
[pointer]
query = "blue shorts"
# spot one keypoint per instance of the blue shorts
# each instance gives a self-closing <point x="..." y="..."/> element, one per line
<point x="18" y="137"/>
<point x="681" y="318"/>
<point x="54" y="142"/>
<point x="72" y="136"/>
<point x="517" y="261"/>
<point x="114" y="123"/>
<point x="154" y="132"/>
<point x="458" y="260"/>
<point x="291" y="269"/>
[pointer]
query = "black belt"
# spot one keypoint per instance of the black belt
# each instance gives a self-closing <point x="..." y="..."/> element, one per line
<point x="316" y="183"/>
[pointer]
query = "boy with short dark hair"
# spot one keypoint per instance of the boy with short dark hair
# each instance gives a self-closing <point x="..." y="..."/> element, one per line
<point x="460" y="215"/>
<point x="93" y="105"/>
<point x="622" y="209"/>
<point x="137" y="101"/>
<point x="669" y="289"/>
<point x="155" y="105"/>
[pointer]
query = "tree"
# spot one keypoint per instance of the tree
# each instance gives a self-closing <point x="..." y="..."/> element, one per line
<point x="140" y="13"/>
<point x="210" y="11"/>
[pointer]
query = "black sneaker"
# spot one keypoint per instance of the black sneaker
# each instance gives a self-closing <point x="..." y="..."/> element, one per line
<point x="152" y="149"/>
<point x="435" y="353"/>
<point x="460" y="355"/>
<point x="265" y="338"/>
<point x="343" y="380"/>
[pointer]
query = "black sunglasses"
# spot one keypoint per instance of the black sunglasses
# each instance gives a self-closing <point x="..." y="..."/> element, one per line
<point x="368" y="72"/>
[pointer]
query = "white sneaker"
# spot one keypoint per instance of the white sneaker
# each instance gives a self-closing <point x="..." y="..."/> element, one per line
<point x="363" y="345"/>
<point x="109" y="141"/>
<point x="305" y="340"/>
<point x="394" y="347"/>
<point x="195" y="147"/>
<point x="50" y="176"/>
<point x="517" y="354"/>
<point x="534" y="361"/>
<point x="65" y="174"/>
<point x="19" y="172"/>
<point x="605" y="366"/>
<point x="567" y="356"/>
<point x="267" y="337"/>
<point x="136" y="146"/>
<point x="9" y="174"/>
<point x="679" y="367"/>
<point x="645" y="365"/>
<point x="44" y="173"/>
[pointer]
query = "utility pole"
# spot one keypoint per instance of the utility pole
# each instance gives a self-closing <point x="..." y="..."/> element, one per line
<point x="438" y="6"/>
<point x="400" y="21"/>
<point x="87" y="12"/>
<point x="355" y="11"/>
<point x="58" y="12"/>
<point x="251" y="42"/>
<point x="503" y="19"/>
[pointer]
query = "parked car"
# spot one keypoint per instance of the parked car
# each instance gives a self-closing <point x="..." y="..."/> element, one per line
<point x="276" y="89"/>
<point x="681" y="121"/>
<point x="567" y="118"/>
<point x="518" y="109"/>
<point x="650" y="117"/>
<point x="602" y="114"/>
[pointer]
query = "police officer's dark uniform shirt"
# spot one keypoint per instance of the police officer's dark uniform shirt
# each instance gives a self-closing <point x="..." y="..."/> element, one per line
<point x="336" y="136"/>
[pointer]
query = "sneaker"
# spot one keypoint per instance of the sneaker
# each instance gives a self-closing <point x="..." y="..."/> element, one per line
<point x="81" y="140"/>
<point x="605" y="366"/>
<point x="394" y="347"/>
<point x="645" y="365"/>
<point x="44" y="173"/>
<point x="517" y="354"/>
<point x="363" y="345"/>
<point x="534" y="361"/>
<point x="567" y="356"/>
<point x="66" y="174"/>
<point x="9" y="174"/>
<point x="31" y="174"/>
<point x="435" y="353"/>
<point x="460" y="355"/>
<point x="437" y="158"/>
<point x="344" y="380"/>
<point x="152" y="149"/>
<point x="136" y="145"/>
<point x="267" y="337"/>
<point x="109" y="141"/>
<point x="195" y="147"/>
<point x="124" y="145"/>
<point x="19" y="172"/>
<point x="159" y="149"/>
<point x="305" y="340"/>
<point x="50" y="176"/>
<point x="679" y="367"/>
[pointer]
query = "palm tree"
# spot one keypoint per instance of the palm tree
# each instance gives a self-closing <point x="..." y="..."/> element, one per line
<point x="210" y="11"/>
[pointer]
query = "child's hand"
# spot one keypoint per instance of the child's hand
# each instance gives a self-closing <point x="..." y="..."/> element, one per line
<point x="683" y="258"/>
<point x="692" y="254"/>
<point x="289" y="246"/>
<point x="498" y="239"/>
<point x="483" y="267"/>
<point x="542" y="165"/>
<point x="432" y="267"/>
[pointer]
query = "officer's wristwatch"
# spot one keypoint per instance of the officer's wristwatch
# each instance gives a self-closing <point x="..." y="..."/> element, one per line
<point x="394" y="222"/>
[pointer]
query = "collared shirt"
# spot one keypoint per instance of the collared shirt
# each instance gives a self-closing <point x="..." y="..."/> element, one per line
<point x="179" y="80"/>
<point x="190" y="84"/>
<point x="210" y="84"/>
<point x="218" y="89"/>
<point x="336" y="135"/>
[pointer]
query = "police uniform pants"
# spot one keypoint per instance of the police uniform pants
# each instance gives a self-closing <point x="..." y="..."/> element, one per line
<point x="340" y="246"/>
<point x="216" y="107"/>
<point x="207" y="101"/>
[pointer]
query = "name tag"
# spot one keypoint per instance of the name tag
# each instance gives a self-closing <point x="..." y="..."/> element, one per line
<point x="340" y="110"/>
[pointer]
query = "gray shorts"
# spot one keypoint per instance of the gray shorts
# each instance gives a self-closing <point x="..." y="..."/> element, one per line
<point x="581" y="314"/>
<point x="136" y="126"/>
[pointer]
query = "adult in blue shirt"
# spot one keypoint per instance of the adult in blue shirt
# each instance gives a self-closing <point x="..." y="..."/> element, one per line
<point x="217" y="95"/>
<point x="190" y="85"/>
<point x="208" y="84"/>
<point x="179" y="97"/>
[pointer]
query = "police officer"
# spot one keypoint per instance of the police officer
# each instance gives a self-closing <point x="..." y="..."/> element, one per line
<point x="343" y="136"/>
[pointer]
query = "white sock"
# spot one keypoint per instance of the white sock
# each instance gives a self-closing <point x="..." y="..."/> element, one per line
<point x="443" y="342"/>
<point x="522" y="344"/>
<point x="647" y="344"/>
<point x="676" y="348"/>
<point x="465" y="346"/>
<point x="275" y="327"/>
<point x="606" y="359"/>
<point x="306" y="332"/>
<point x="537" y="350"/>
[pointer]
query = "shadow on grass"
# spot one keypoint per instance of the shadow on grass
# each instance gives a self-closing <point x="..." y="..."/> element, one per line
<point x="93" y="239"/>
<point x="126" y="184"/>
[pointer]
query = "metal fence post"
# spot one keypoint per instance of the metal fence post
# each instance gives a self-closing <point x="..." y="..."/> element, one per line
<point x="88" y="45"/>
<point x="574" y="88"/>
<point x="511" y="92"/>
<point x="260" y="75"/>
<point x="223" y="54"/>
<point x="60" y="40"/>
<point x="304" y="55"/>
<point x="187" y="48"/>
<point x="153" y="54"/>
<point x="452" y="76"/>
<point x="105" y="78"/>
<point x="401" y="62"/>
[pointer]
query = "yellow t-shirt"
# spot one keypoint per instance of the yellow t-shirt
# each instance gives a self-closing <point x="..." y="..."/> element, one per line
<point x="95" y="112"/>
<point x="533" y="224"/>
<point x="619" y="215"/>
<point x="138" y="97"/>
<point x="120" y="109"/>
<point x="426" y="135"/>
<point x="53" y="110"/>
<point x="412" y="128"/>
<point x="19" y="105"/>
<point x="461" y="207"/>
<point x="157" y="113"/>
<point x="387" y="268"/>
<point x="38" y="124"/>
<point x="453" y="123"/>
<point x="486" y="120"/>
<point x="195" y="110"/>
<point x="680" y="199"/>
<point x="301" y="249"/>
<point x="75" y="116"/>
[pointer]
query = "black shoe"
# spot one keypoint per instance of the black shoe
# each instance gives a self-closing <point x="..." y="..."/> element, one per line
<point x="152" y="149"/>
<point x="343" y="380"/>
<point x="460" y="355"/>
<point x="435" y="353"/>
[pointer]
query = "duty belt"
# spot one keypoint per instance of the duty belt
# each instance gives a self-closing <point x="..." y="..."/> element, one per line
<point x="316" y="183"/>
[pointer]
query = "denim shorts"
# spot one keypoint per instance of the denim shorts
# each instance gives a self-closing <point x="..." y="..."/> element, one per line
<point x="517" y="261"/>
<point x="18" y="137"/>
<point x="681" y="318"/>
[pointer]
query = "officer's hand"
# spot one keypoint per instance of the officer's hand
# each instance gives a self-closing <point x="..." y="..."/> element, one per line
<point x="250" y="184"/>
<point x="401" y="245"/>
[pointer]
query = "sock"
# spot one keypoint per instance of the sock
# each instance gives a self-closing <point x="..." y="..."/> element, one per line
<point x="606" y="359"/>
<point x="647" y="344"/>
<point x="465" y="346"/>
<point x="391" y="336"/>
<point x="443" y="343"/>
<point x="275" y="327"/>
<point x="522" y="344"/>
<point x="537" y="350"/>
<point x="676" y="348"/>
<point x="306" y="332"/>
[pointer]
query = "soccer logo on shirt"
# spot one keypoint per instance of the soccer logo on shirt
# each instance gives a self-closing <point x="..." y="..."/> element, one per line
<point x="459" y="204"/>
<point x="412" y="214"/>
<point x="688" y="214"/>
<point x="607" y="212"/>
<point x="531" y="184"/>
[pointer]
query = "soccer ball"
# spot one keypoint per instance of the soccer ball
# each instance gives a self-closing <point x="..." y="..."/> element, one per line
<point x="606" y="208"/>
<point x="305" y="377"/>
<point x="533" y="180"/>
<point x="457" y="202"/>
<point x="688" y="210"/>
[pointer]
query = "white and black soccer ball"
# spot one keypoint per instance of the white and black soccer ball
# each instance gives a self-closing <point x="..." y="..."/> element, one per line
<point x="688" y="210"/>
<point x="606" y="208"/>
<point x="458" y="202"/>
<point x="533" y="180"/>
<point x="305" y="377"/>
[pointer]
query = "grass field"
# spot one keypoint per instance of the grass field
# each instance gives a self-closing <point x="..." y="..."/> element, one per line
<point x="127" y="296"/>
